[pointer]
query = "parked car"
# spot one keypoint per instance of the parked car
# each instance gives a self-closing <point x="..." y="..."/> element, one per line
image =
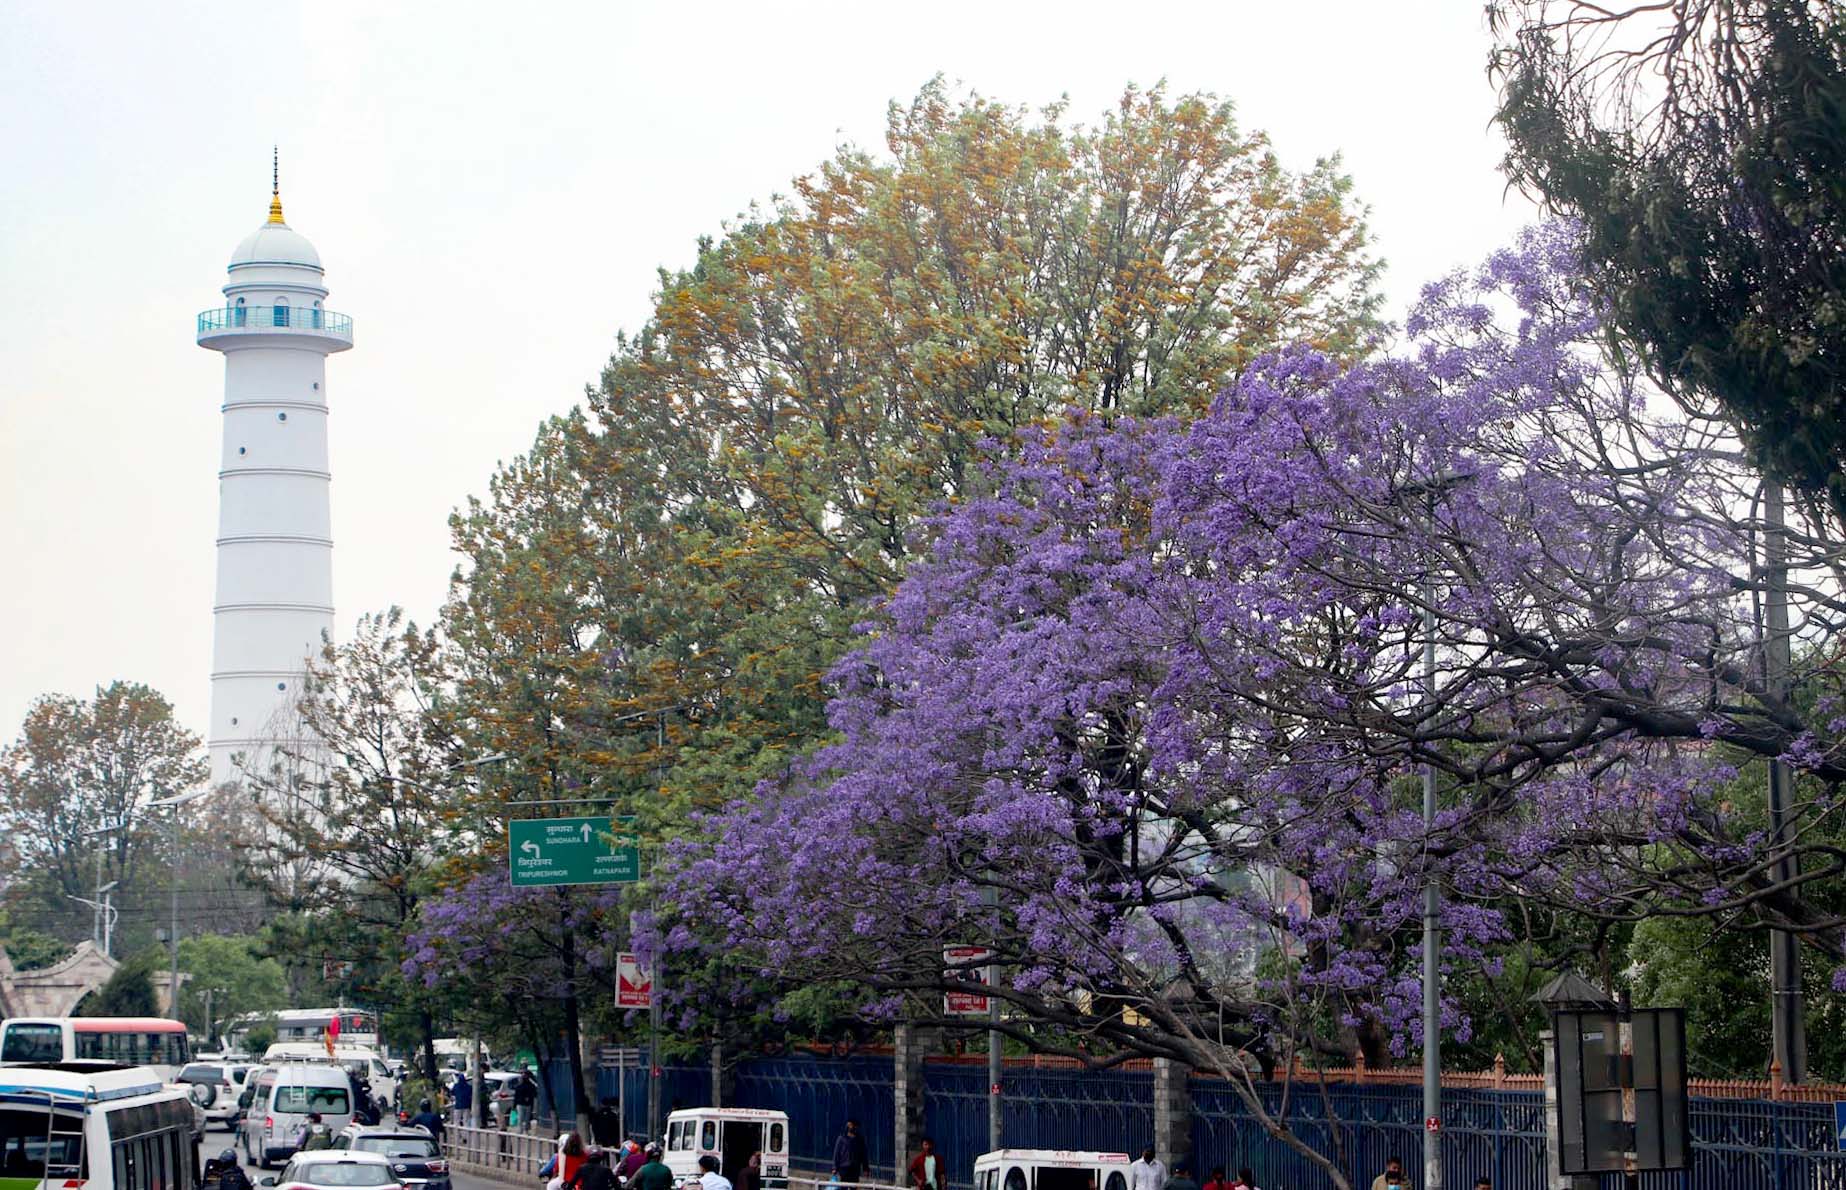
<point x="415" y="1158"/>
<point x="335" y="1169"/>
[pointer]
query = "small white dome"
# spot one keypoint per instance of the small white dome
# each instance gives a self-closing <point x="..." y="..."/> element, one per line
<point x="276" y="243"/>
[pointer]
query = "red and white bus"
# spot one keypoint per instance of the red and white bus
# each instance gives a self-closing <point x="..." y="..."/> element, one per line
<point x="152" y="1041"/>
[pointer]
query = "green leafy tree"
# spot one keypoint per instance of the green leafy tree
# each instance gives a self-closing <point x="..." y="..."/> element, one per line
<point x="227" y="978"/>
<point x="29" y="949"/>
<point x="1702" y="145"/>
<point x="129" y="992"/>
<point x="82" y="764"/>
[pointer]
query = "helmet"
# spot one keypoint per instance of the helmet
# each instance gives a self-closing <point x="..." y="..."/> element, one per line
<point x="653" y="1148"/>
<point x="423" y="1105"/>
<point x="595" y="1153"/>
<point x="229" y="1157"/>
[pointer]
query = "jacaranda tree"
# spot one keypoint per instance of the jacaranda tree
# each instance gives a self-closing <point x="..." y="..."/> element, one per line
<point x="1148" y="717"/>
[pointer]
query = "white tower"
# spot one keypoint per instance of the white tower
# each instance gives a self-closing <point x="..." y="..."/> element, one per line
<point x="275" y="536"/>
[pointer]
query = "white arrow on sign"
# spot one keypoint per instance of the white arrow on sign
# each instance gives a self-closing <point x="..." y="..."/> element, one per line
<point x="530" y="846"/>
<point x="586" y="832"/>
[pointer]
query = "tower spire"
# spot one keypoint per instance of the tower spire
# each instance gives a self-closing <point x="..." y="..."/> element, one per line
<point x="275" y="184"/>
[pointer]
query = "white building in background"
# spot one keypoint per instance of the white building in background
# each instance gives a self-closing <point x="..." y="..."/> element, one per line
<point x="274" y="596"/>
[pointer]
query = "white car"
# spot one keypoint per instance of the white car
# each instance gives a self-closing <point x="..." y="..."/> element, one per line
<point x="214" y="1086"/>
<point x="335" y="1169"/>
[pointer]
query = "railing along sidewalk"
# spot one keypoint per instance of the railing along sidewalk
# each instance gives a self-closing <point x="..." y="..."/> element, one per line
<point x="496" y="1150"/>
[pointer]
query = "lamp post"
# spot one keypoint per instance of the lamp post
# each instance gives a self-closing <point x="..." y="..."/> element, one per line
<point x="96" y="906"/>
<point x="173" y="804"/>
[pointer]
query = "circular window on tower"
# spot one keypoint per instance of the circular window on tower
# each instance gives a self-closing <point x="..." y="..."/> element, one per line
<point x="233" y="720"/>
<point x="241" y="449"/>
<point x="282" y="685"/>
<point x="281" y="417"/>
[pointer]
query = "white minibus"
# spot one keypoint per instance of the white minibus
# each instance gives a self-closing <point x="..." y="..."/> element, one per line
<point x="1050" y="1169"/>
<point x="151" y="1041"/>
<point x="731" y="1134"/>
<point x="277" y="1101"/>
<point x="94" y="1126"/>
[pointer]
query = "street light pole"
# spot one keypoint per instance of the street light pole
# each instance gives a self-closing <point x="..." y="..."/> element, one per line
<point x="173" y="804"/>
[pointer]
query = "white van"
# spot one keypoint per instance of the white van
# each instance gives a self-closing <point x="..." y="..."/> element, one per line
<point x="730" y="1134"/>
<point x="104" y="1128"/>
<point x="1050" y="1169"/>
<point x="358" y="1060"/>
<point x="277" y="1100"/>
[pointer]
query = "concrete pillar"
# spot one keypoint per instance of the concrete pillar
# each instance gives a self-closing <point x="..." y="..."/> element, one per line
<point x="1554" y="1178"/>
<point x="911" y="1044"/>
<point x="1172" y="1114"/>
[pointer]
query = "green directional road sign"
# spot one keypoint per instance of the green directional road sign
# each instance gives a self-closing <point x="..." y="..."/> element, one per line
<point x="569" y="851"/>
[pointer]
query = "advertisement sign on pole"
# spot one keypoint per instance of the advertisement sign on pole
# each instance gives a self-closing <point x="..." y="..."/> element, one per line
<point x="968" y="964"/>
<point x="634" y="987"/>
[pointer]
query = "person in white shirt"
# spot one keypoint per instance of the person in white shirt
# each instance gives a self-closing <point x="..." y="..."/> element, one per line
<point x="709" y="1177"/>
<point x="1147" y="1173"/>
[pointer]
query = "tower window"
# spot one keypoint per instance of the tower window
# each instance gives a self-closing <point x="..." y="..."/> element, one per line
<point x="282" y="685"/>
<point x="233" y="720"/>
<point x="241" y="449"/>
<point x="281" y="417"/>
<point x="242" y="313"/>
<point x="281" y="314"/>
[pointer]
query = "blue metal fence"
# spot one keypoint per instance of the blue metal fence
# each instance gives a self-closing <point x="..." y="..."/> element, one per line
<point x="1040" y="1109"/>
<point x="1739" y="1144"/>
<point x="819" y="1097"/>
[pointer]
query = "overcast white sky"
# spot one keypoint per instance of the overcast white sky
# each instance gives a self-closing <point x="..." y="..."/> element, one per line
<point x="491" y="187"/>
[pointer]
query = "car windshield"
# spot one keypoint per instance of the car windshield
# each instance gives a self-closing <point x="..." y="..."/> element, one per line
<point x="396" y="1146"/>
<point x="342" y="1173"/>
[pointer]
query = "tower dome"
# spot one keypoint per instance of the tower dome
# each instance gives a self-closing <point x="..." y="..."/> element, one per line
<point x="275" y="243"/>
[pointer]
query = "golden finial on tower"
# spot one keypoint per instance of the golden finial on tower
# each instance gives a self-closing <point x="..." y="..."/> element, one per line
<point x="275" y="184"/>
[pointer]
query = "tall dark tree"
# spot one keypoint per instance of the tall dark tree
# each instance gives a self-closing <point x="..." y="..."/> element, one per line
<point x="1702" y="145"/>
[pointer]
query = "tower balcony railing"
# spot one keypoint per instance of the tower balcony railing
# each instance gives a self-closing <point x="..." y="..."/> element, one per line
<point x="232" y="320"/>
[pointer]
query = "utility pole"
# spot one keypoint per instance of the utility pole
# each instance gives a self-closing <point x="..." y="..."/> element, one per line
<point x="1788" y="1032"/>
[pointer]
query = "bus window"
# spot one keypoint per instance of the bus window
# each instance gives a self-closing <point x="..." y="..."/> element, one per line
<point x="32" y="1043"/>
<point x="1116" y="1181"/>
<point x="1015" y="1179"/>
<point x="775" y="1138"/>
<point x="708" y="1136"/>
<point x="673" y="1135"/>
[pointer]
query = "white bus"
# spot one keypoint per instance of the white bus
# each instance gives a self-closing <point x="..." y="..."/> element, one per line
<point x="732" y="1135"/>
<point x="152" y="1041"/>
<point x="357" y="1026"/>
<point x="103" y="1128"/>
<point x="1050" y="1169"/>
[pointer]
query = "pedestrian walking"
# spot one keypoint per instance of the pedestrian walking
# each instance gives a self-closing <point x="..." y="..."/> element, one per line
<point x="1182" y="1178"/>
<point x="525" y="1100"/>
<point x="1216" y="1180"/>
<point x="709" y="1177"/>
<point x="926" y="1169"/>
<point x="849" y="1155"/>
<point x="463" y="1099"/>
<point x="1392" y="1178"/>
<point x="1246" y="1180"/>
<point x="1483" y="1183"/>
<point x="1148" y="1172"/>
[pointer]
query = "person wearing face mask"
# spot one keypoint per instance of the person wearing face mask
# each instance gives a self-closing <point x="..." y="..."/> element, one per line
<point x="1392" y="1178"/>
